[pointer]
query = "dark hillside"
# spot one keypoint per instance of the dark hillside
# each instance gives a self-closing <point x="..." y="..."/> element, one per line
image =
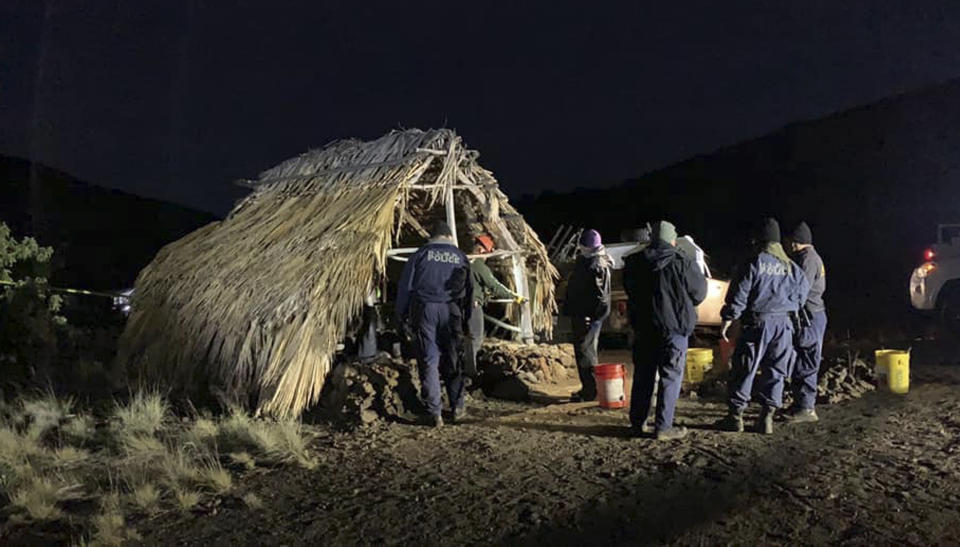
<point x="102" y="237"/>
<point x="873" y="182"/>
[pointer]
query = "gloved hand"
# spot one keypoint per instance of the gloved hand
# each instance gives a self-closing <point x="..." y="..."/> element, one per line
<point x="519" y="299"/>
<point x="724" y="329"/>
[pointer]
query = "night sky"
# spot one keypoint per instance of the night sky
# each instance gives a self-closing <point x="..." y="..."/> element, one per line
<point x="175" y="100"/>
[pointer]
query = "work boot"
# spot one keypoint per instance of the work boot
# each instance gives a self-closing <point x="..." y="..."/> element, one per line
<point x="801" y="416"/>
<point x="581" y="397"/>
<point x="430" y="420"/>
<point x="644" y="430"/>
<point x="673" y="434"/>
<point x="733" y="421"/>
<point x="765" y="421"/>
<point x="459" y="414"/>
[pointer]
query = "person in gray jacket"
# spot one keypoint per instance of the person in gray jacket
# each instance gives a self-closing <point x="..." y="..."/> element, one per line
<point x="808" y="342"/>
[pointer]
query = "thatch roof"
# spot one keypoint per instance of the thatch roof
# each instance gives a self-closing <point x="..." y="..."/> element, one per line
<point x="253" y="307"/>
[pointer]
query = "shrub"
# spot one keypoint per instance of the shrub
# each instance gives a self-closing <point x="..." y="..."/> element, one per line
<point x="29" y="317"/>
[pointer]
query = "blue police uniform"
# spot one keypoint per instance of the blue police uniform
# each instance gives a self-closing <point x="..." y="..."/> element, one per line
<point x="809" y="343"/>
<point x="764" y="294"/>
<point x="433" y="291"/>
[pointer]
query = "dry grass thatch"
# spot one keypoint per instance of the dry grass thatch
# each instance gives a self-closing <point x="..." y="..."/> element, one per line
<point x="254" y="306"/>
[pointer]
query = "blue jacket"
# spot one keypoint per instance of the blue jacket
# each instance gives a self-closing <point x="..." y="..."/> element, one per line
<point x="766" y="286"/>
<point x="437" y="273"/>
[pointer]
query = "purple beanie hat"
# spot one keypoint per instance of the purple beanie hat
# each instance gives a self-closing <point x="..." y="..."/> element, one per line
<point x="590" y="239"/>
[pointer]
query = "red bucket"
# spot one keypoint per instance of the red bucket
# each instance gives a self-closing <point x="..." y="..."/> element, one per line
<point x="610" y="385"/>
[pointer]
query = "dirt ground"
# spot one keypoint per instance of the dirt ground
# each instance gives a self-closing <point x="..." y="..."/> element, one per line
<point x="884" y="469"/>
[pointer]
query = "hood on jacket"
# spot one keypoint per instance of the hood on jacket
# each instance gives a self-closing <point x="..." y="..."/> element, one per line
<point x="597" y="255"/>
<point x="659" y="254"/>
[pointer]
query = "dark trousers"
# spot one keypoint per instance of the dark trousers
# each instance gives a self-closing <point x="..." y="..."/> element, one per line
<point x="652" y="354"/>
<point x="809" y="351"/>
<point x="585" y="337"/>
<point x="436" y="345"/>
<point x="474" y="341"/>
<point x="765" y="346"/>
<point x="367" y="342"/>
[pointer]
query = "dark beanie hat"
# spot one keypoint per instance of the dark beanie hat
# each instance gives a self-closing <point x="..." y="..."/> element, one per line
<point x="802" y="234"/>
<point x="441" y="229"/>
<point x="769" y="231"/>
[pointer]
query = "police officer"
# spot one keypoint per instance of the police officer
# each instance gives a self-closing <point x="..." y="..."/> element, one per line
<point x="764" y="293"/>
<point x="485" y="286"/>
<point x="663" y="286"/>
<point x="813" y="325"/>
<point x="587" y="303"/>
<point x="433" y="299"/>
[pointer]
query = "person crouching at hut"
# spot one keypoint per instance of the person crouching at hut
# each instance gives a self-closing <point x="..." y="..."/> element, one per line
<point x="485" y="286"/>
<point x="664" y="287"/>
<point x="765" y="292"/>
<point x="587" y="303"/>
<point x="433" y="298"/>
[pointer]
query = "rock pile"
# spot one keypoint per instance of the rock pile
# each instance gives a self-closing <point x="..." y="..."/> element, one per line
<point x="361" y="393"/>
<point x="532" y="363"/>
<point x="842" y="379"/>
<point x="511" y="371"/>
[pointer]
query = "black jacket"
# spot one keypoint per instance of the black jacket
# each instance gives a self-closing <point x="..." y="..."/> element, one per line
<point x="663" y="286"/>
<point x="588" y="290"/>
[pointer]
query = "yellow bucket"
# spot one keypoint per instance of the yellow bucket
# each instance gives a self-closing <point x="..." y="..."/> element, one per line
<point x="893" y="370"/>
<point x="699" y="361"/>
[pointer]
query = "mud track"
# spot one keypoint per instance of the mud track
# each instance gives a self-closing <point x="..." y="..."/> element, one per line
<point x="879" y="470"/>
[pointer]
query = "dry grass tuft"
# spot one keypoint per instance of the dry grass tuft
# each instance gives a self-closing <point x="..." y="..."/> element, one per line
<point x="111" y="529"/>
<point x="252" y="501"/>
<point x="275" y="441"/>
<point x="17" y="449"/>
<point x="242" y="459"/>
<point x="217" y="478"/>
<point x="42" y="414"/>
<point x="146" y="497"/>
<point x="142" y="450"/>
<point x="203" y="432"/>
<point x="67" y="456"/>
<point x="38" y="497"/>
<point x="180" y="467"/>
<point x="145" y="414"/>
<point x="79" y="430"/>
<point x="186" y="499"/>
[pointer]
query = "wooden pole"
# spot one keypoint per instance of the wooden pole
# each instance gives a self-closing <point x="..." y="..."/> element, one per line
<point x="506" y="241"/>
<point x="452" y="215"/>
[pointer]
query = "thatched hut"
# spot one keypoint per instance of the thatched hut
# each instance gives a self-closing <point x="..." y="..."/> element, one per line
<point x="252" y="307"/>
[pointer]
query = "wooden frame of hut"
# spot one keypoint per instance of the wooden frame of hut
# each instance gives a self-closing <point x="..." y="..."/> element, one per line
<point x="252" y="308"/>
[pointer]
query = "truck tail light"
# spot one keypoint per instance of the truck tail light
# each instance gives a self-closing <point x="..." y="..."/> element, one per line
<point x="925" y="269"/>
<point x="929" y="254"/>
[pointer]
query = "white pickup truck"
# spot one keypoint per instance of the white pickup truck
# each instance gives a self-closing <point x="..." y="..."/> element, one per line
<point x="935" y="284"/>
